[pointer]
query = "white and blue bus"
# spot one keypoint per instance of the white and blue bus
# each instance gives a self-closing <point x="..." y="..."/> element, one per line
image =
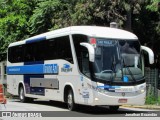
<point x="86" y="65"/>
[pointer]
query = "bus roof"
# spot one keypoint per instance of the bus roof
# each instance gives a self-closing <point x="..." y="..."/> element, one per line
<point x="92" y="31"/>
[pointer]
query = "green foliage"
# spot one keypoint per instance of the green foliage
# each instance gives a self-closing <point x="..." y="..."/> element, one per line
<point x="152" y="100"/>
<point x="13" y="22"/>
<point x="153" y="6"/>
<point x="151" y="96"/>
<point x="41" y="20"/>
<point x="20" y="19"/>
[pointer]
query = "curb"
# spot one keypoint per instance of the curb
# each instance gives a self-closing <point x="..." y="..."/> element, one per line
<point x="143" y="106"/>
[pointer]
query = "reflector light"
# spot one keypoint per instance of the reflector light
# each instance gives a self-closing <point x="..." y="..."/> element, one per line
<point x="92" y="41"/>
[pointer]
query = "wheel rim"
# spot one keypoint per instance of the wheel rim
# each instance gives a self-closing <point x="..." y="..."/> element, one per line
<point x="21" y="94"/>
<point x="70" y="101"/>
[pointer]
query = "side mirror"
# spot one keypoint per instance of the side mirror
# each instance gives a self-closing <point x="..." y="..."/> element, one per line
<point x="90" y="50"/>
<point x="150" y="53"/>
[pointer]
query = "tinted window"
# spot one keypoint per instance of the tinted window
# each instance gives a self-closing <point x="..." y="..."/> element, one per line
<point x="64" y="49"/>
<point x="16" y="53"/>
<point x="82" y="54"/>
<point x="30" y="52"/>
<point x="56" y="48"/>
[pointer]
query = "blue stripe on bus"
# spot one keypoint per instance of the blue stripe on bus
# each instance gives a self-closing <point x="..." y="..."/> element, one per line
<point x="36" y="39"/>
<point x="109" y="87"/>
<point x="33" y="69"/>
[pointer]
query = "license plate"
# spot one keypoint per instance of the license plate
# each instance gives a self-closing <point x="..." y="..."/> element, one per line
<point x="122" y="101"/>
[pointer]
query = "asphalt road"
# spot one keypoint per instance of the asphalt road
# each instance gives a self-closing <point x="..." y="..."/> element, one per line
<point x="57" y="109"/>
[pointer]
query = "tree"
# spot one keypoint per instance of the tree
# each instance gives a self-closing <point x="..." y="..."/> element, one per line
<point x="20" y="19"/>
<point x="13" y="22"/>
<point x="146" y="24"/>
<point x="99" y="12"/>
<point x="53" y="14"/>
<point x="42" y="18"/>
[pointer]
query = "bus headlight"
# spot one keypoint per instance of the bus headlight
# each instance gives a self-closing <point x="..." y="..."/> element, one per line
<point x="141" y="90"/>
<point x="96" y="99"/>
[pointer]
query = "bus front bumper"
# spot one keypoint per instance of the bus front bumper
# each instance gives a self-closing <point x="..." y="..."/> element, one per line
<point x="120" y="99"/>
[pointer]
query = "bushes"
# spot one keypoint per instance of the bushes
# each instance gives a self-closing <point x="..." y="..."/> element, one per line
<point x="151" y="100"/>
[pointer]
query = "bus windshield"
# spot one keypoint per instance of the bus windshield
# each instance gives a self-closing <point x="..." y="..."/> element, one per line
<point x="116" y="59"/>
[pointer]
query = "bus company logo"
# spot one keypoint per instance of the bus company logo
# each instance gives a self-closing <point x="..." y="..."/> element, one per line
<point x="66" y="68"/>
<point x="50" y="68"/>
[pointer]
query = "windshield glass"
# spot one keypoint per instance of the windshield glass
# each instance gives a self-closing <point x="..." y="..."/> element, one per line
<point x="106" y="58"/>
<point x="116" y="60"/>
<point x="130" y="53"/>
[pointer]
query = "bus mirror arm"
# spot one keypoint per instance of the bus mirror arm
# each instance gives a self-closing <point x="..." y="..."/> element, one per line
<point x="90" y="50"/>
<point x="150" y="53"/>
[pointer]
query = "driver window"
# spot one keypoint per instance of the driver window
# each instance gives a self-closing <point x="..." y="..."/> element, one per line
<point x="82" y="54"/>
<point x="85" y="62"/>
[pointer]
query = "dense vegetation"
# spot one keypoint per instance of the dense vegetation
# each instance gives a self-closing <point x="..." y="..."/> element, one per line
<point x="20" y="19"/>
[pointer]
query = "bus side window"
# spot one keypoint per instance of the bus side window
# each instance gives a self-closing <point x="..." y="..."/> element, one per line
<point x="30" y="52"/>
<point x="16" y="54"/>
<point x="64" y="49"/>
<point x="55" y="48"/>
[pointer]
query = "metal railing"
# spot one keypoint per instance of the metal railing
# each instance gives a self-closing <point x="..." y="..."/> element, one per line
<point x="153" y="82"/>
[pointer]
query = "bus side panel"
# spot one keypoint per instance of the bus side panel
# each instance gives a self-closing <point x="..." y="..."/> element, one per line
<point x="13" y="83"/>
<point x="82" y="94"/>
<point x="13" y="80"/>
<point x="53" y="93"/>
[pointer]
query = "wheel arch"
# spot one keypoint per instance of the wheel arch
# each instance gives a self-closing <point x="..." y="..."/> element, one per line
<point x="67" y="87"/>
<point x="21" y="85"/>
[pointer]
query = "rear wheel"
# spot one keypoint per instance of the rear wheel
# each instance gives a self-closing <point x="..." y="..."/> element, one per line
<point x="70" y="101"/>
<point x="21" y="94"/>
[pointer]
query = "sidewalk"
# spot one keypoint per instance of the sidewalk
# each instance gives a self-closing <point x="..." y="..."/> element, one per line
<point x="155" y="107"/>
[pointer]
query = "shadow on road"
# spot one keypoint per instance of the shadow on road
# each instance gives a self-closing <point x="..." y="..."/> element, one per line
<point x="87" y="110"/>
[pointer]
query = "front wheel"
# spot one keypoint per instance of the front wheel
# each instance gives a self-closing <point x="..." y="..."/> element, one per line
<point x="113" y="108"/>
<point x="70" y="101"/>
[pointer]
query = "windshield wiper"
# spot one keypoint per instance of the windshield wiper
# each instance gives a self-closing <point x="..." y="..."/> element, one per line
<point x="128" y="71"/>
<point x="114" y="64"/>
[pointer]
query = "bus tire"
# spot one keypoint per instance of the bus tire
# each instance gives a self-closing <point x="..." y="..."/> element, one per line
<point x="70" y="101"/>
<point x="113" y="108"/>
<point x="22" y="97"/>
